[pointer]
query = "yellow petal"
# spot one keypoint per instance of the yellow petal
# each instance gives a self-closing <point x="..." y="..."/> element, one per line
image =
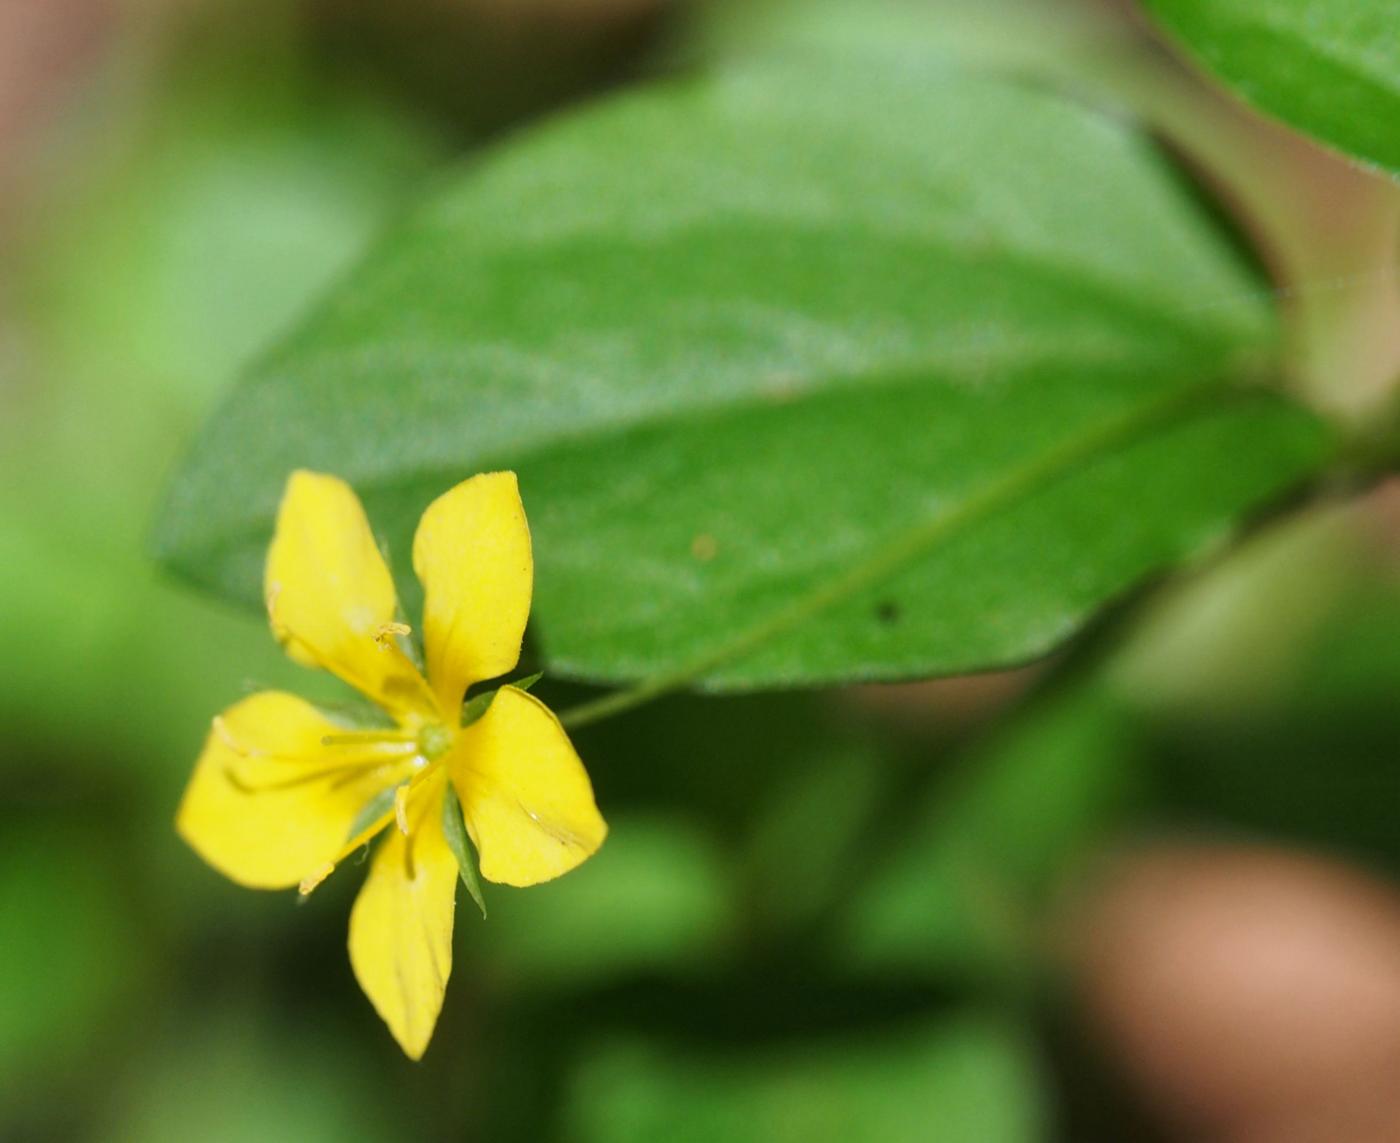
<point x="525" y="794"/>
<point x="329" y="595"/>
<point x="261" y="806"/>
<point x="401" y="926"/>
<point x="472" y="555"/>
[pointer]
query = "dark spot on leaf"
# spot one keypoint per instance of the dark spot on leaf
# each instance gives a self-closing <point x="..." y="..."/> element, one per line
<point x="887" y="612"/>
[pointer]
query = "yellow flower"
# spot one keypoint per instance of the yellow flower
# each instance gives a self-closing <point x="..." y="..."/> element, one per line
<point x="282" y="791"/>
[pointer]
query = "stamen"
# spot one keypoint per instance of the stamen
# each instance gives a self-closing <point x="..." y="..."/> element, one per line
<point x="394" y="744"/>
<point x="349" y="777"/>
<point x="356" y="768"/>
<point x="401" y="809"/>
<point x="377" y="737"/>
<point x="383" y="635"/>
<point x="387" y="632"/>
<point x="411" y="683"/>
<point x="226" y="736"/>
<point x="402" y="795"/>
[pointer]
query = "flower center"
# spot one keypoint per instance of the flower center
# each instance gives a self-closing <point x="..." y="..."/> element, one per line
<point x="434" y="740"/>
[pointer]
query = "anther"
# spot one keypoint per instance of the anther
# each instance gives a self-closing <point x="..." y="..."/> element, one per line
<point x="389" y="631"/>
<point x="395" y="738"/>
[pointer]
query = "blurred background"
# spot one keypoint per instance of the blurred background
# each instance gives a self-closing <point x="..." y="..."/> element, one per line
<point x="1147" y="891"/>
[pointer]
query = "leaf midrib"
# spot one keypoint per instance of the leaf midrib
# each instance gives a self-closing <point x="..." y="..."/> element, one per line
<point x="915" y="541"/>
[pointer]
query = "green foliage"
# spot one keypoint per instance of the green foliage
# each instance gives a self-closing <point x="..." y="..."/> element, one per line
<point x="981" y="847"/>
<point x="968" y="1078"/>
<point x="1268" y="690"/>
<point x="847" y="358"/>
<point x="220" y="1078"/>
<point x="784" y="305"/>
<point x="656" y="898"/>
<point x="70" y="957"/>
<point x="223" y="216"/>
<point x="1328" y="67"/>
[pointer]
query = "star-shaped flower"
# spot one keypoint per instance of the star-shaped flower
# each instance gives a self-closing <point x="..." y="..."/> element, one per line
<point x="284" y="790"/>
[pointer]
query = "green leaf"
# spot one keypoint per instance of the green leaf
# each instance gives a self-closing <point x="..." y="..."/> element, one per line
<point x="978" y="853"/>
<point x="1271" y="684"/>
<point x="670" y="879"/>
<point x="231" y="1073"/>
<point x="74" y="960"/>
<point x="967" y="1078"/>
<point x="857" y="339"/>
<point x="238" y="193"/>
<point x="1328" y="67"/>
<point x="456" y="830"/>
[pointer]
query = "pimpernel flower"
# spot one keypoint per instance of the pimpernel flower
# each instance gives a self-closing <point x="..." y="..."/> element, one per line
<point x="284" y="790"/>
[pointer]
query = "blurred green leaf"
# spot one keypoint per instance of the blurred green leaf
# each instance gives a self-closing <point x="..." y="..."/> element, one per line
<point x="1235" y="639"/>
<point x="754" y="339"/>
<point x="222" y="1076"/>
<point x="966" y="1079"/>
<point x="1328" y="67"/>
<point x="69" y="951"/>
<point x="991" y="34"/>
<point x="207" y="214"/>
<point x="978" y="852"/>
<point x="808" y="832"/>
<point x="656" y="896"/>
<point x="1269" y="689"/>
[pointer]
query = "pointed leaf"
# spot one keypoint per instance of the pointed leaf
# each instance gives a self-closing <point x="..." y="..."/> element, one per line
<point x="856" y="338"/>
<point x="455" y="828"/>
<point x="1330" y="68"/>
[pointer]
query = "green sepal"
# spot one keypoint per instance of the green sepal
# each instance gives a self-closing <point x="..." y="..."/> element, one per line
<point x="477" y="705"/>
<point x="373" y="810"/>
<point x="455" y="829"/>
